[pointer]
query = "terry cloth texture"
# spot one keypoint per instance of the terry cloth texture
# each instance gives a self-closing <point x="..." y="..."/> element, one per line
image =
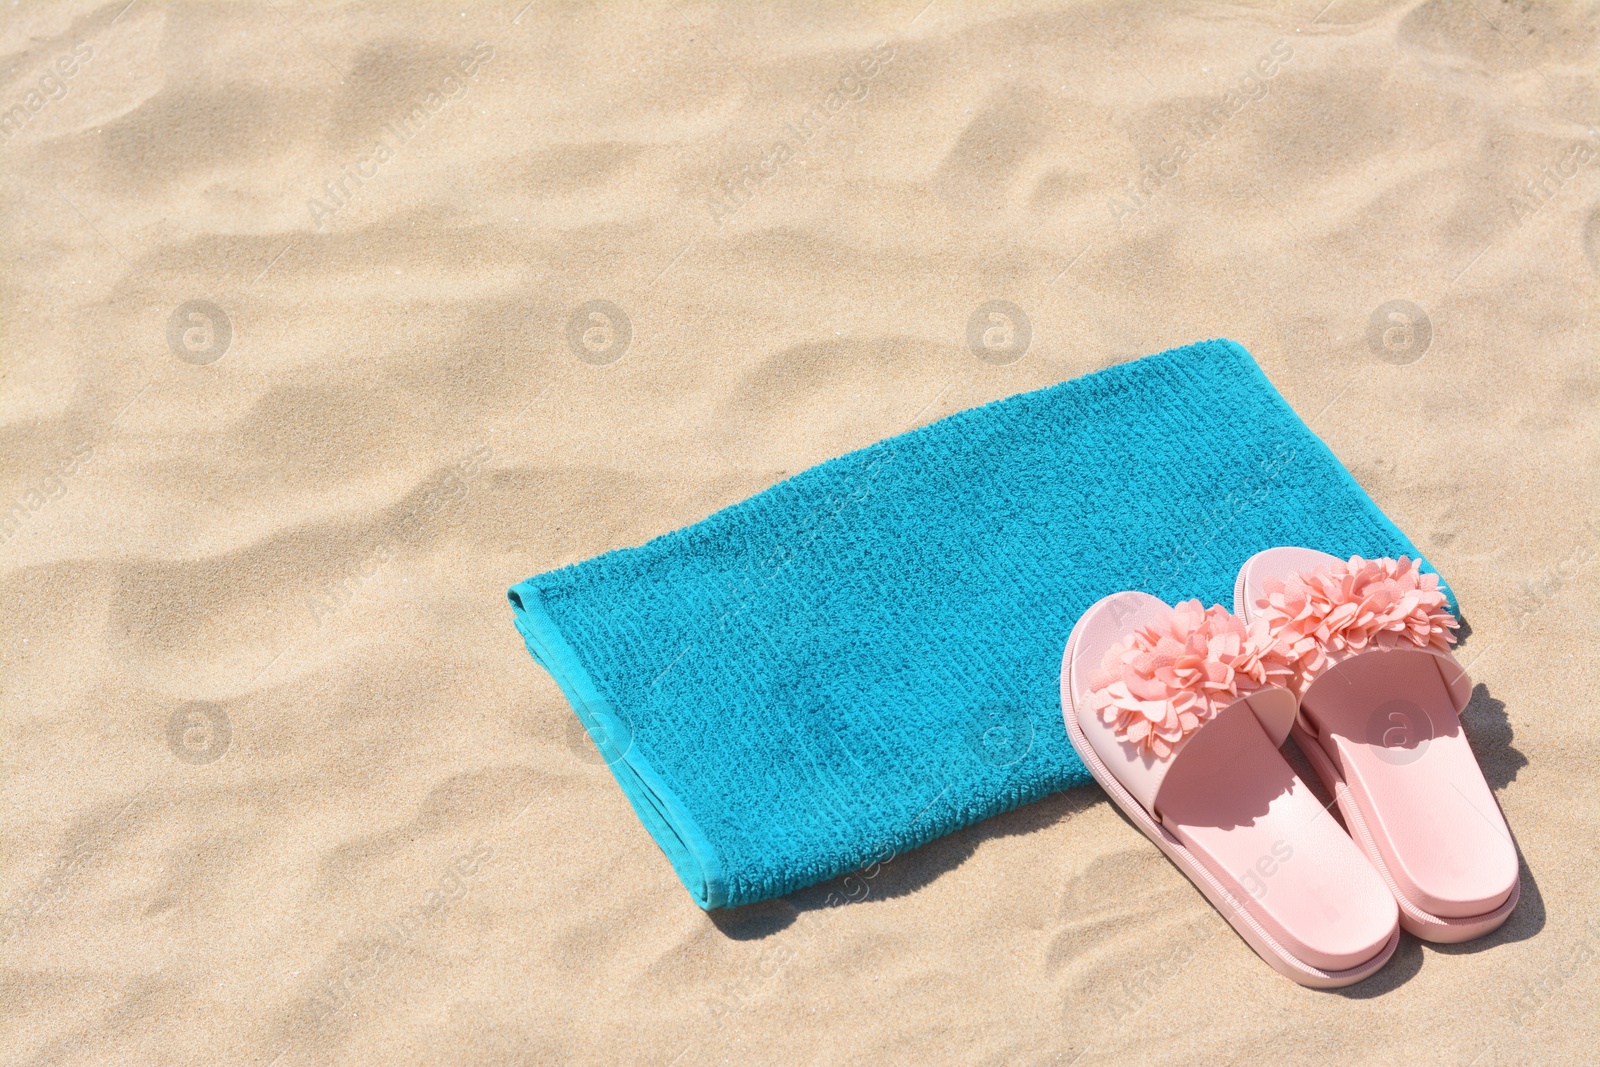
<point x="866" y="656"/>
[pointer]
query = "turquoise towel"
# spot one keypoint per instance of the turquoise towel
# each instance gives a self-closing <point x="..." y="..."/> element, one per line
<point x="865" y="656"/>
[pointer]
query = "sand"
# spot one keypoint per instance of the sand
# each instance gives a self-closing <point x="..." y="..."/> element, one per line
<point x="302" y="370"/>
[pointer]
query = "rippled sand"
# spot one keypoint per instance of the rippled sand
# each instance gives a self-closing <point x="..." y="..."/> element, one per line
<point x="325" y="323"/>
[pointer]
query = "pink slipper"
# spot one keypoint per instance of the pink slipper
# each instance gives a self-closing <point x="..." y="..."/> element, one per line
<point x="1178" y="715"/>
<point x="1368" y="641"/>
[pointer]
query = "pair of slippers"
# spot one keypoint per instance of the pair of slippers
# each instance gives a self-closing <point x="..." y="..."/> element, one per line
<point x="1179" y="714"/>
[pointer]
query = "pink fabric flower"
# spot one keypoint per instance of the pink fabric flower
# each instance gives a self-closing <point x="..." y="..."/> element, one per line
<point x="1320" y="617"/>
<point x="1165" y="680"/>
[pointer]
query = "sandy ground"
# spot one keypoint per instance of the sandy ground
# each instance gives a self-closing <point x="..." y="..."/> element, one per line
<point x="301" y="370"/>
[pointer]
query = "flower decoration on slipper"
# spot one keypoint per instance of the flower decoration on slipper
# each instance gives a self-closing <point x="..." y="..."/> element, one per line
<point x="1351" y="607"/>
<point x="1166" y="679"/>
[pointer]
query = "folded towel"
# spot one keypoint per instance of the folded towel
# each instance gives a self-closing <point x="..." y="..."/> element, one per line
<point x="866" y="656"/>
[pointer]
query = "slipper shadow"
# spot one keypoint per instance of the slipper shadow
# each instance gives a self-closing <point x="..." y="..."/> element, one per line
<point x="1525" y="920"/>
<point x="1401" y="968"/>
<point x="1490" y="735"/>
<point x="1488" y="730"/>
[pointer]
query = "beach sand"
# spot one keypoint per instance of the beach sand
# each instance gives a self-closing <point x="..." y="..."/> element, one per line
<point x="303" y="366"/>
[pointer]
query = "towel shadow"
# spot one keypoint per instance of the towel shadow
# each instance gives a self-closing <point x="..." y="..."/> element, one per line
<point x="900" y="875"/>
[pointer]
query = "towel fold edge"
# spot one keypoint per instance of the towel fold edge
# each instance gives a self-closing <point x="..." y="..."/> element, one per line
<point x="686" y="846"/>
